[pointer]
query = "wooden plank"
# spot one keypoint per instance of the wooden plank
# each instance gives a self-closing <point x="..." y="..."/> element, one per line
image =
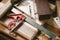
<point x="58" y="7"/>
<point x="52" y="26"/>
<point x="5" y="30"/>
<point x="43" y="9"/>
<point x="12" y="34"/>
<point x="54" y="30"/>
<point x="5" y="8"/>
<point x="42" y="36"/>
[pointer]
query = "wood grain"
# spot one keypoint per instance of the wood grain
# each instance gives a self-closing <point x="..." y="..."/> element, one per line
<point x="58" y="7"/>
<point x="43" y="9"/>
